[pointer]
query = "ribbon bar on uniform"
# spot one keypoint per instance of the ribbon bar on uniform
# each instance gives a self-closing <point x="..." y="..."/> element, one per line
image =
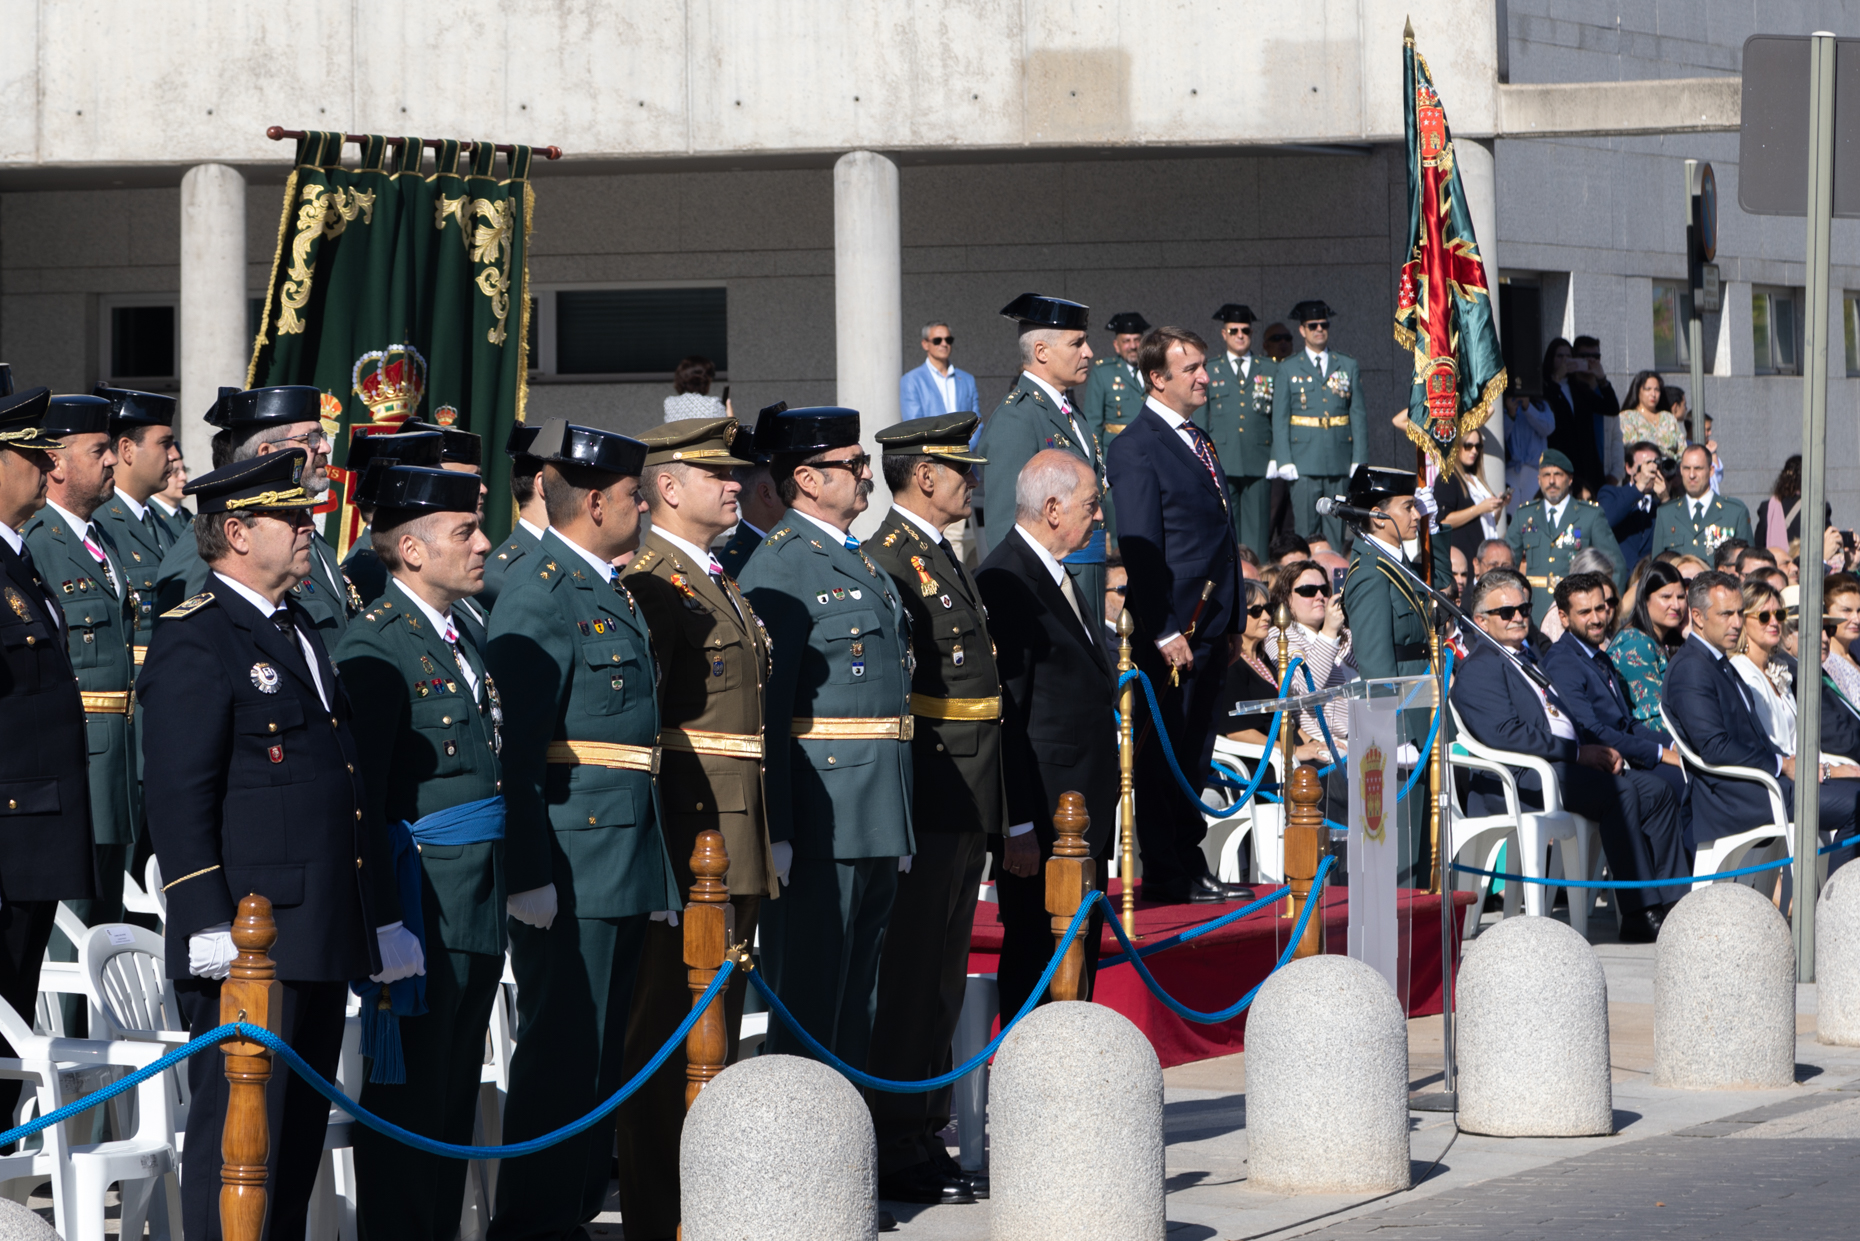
<point x="956" y="708"/>
<point x="110" y="702"/>
<point x="701" y="741"/>
<point x="605" y="754"/>
<point x="853" y="728"/>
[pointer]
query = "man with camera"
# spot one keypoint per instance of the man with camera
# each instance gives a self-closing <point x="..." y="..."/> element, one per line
<point x="1630" y="506"/>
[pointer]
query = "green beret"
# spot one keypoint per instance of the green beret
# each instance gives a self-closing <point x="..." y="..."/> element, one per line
<point x="1553" y="457"/>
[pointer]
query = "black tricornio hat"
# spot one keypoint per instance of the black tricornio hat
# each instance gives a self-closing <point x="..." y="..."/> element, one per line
<point x="565" y="443"/>
<point x="407" y="448"/>
<point x="522" y="435"/>
<point x="129" y="408"/>
<point x="77" y="415"/>
<point x="262" y="407"/>
<point x="1038" y="310"/>
<point x="1372" y="484"/>
<point x="1129" y="321"/>
<point x="268" y="483"/>
<point x="410" y="490"/>
<point x="1236" y="312"/>
<point x="6" y="379"/>
<point x="1305" y="312"/>
<point x="22" y="417"/>
<point x="459" y="447"/>
<point x="819" y="428"/>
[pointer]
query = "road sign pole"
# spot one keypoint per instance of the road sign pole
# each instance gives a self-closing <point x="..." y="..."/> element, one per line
<point x="1814" y="445"/>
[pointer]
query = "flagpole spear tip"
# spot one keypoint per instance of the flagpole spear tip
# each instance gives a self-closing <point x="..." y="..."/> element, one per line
<point x="1407" y="30"/>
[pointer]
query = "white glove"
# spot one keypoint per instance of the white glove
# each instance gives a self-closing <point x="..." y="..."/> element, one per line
<point x="210" y="952"/>
<point x="904" y="864"/>
<point x="1424" y="498"/>
<point x="665" y="915"/>
<point x="400" y="953"/>
<point x="781" y="856"/>
<point x="1272" y="469"/>
<point x="1289" y="472"/>
<point x="535" y="907"/>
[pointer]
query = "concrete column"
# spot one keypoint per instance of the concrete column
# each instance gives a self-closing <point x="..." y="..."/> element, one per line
<point x="1479" y="179"/>
<point x="867" y="293"/>
<point x="215" y="346"/>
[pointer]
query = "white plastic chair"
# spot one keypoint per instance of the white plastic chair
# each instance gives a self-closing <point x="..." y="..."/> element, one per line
<point x="136" y="898"/>
<point x="1539" y="831"/>
<point x="1731" y="852"/>
<point x="1475" y="840"/>
<point x="1263" y="821"/>
<point x="151" y="883"/>
<point x="81" y="1173"/>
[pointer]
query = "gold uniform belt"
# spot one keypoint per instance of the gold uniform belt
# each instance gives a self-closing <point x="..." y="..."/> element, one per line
<point x="1115" y="428"/>
<point x="1340" y="420"/>
<point x="605" y="754"/>
<point x="700" y="741"/>
<point x="1547" y="582"/>
<point x="853" y="728"/>
<point x="956" y="708"/>
<point x="110" y="702"/>
<point x="141" y="653"/>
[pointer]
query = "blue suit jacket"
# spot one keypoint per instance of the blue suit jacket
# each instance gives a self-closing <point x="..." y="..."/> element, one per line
<point x="1704" y="699"/>
<point x="1631" y="522"/>
<point x="1499" y="707"/>
<point x="1597" y="700"/>
<point x="919" y="397"/>
<point x="1174" y="532"/>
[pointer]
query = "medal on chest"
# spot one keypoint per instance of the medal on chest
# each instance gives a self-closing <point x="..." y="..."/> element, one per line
<point x="265" y="677"/>
<point x="858" y="659"/>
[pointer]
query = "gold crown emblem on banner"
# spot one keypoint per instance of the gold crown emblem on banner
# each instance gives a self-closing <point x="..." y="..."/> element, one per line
<point x="446" y="416"/>
<point x="390" y="382"/>
<point x="330" y="413"/>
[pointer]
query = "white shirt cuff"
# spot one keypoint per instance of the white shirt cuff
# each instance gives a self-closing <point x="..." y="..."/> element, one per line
<point x="1020" y="829"/>
<point x="1167" y="638"/>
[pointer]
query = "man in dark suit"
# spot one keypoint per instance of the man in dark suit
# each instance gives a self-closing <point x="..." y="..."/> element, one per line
<point x="1504" y="708"/>
<point x="45" y="841"/>
<point x="1178" y="545"/>
<point x="1709" y="704"/>
<point x="1580" y="396"/>
<point x="1058" y="692"/>
<point x="252" y="787"/>
<point x="1630" y="505"/>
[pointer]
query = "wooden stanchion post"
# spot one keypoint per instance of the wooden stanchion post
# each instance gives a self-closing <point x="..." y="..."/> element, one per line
<point x="1126" y="770"/>
<point x="1304" y="848"/>
<point x="1070" y="873"/>
<point x="710" y="921"/>
<point x="249" y="994"/>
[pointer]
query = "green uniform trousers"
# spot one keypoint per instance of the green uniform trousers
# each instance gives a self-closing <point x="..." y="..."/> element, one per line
<point x="654" y="1118"/>
<point x="922" y="979"/>
<point x="1250" y="502"/>
<point x="402" y="1193"/>
<point x="574" y="986"/>
<point x="1305" y="518"/>
<point x="821" y="943"/>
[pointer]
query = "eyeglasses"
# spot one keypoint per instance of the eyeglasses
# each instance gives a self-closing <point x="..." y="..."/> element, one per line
<point x="1764" y="617"/>
<point x="313" y="441"/>
<point x="1318" y="325"/>
<point x="1256" y="611"/>
<point x="855" y="464"/>
<point x="1508" y="612"/>
<point x="1238" y="329"/>
<point x="941" y="340"/>
<point x="1311" y="590"/>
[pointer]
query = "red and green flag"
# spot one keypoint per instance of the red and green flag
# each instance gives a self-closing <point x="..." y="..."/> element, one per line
<point x="1444" y="313"/>
<point x="401" y="290"/>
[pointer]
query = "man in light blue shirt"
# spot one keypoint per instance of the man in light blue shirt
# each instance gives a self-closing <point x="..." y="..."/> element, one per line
<point x="937" y="387"/>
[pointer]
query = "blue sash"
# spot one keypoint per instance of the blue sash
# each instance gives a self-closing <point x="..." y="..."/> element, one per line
<point x="1091" y="553"/>
<point x="472" y="823"/>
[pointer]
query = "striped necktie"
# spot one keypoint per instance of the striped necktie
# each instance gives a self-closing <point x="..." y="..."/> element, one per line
<point x="1205" y="451"/>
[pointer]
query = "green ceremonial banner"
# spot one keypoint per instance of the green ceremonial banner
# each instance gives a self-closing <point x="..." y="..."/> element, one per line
<point x="1444" y="309"/>
<point x="402" y="293"/>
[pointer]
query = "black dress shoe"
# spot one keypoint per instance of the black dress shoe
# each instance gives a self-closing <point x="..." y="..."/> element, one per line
<point x="944" y="1162"/>
<point x="924" y="1184"/>
<point x="1207" y="890"/>
<point x="887" y="1222"/>
<point x="1640" y="927"/>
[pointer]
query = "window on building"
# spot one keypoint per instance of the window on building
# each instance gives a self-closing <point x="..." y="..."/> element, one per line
<point x="1521" y="328"/>
<point x="1776" y="330"/>
<point x="592" y="333"/>
<point x="1672" y="317"/>
<point x="138" y="340"/>
<point x="1850" y="329"/>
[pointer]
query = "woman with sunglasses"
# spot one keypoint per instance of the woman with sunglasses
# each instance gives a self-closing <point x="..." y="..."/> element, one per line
<point x="1467" y="506"/>
<point x="1654" y="631"/>
<point x="1318" y="636"/>
<point x="1255" y="675"/>
<point x="1770" y="678"/>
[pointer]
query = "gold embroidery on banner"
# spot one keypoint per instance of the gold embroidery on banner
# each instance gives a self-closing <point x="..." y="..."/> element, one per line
<point x="492" y="244"/>
<point x="455" y="208"/>
<point x="324" y="211"/>
<point x="271" y="288"/>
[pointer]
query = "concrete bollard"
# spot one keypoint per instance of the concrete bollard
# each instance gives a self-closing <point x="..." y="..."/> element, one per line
<point x="778" y="1148"/>
<point x="1533" y="1034"/>
<point x="18" y="1222"/>
<point x="1724" y="993"/>
<point x="1837" y="959"/>
<point x="1327" y="1081"/>
<point x="1076" y="1129"/>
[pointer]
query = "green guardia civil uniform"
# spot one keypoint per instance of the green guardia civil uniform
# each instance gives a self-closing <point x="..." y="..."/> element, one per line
<point x="140" y="544"/>
<point x="1238" y="419"/>
<point x="1674" y="527"/>
<point x="177" y="521"/>
<point x="1544" y="546"/>
<point x="364" y="570"/>
<point x="571" y="653"/>
<point x="1026" y="422"/>
<point x="504" y="558"/>
<point x="427" y="741"/>
<point x="100" y="612"/>
<point x="737" y="549"/>
<point x="1113" y="396"/>
<point x="1318" y="425"/>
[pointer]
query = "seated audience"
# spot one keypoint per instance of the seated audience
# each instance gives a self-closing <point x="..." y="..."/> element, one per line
<point x="1655" y="628"/>
<point x="1769" y="674"/>
<point x="1254" y="676"/>
<point x="1505" y="709"/>
<point x="1714" y="712"/>
<point x="1493" y="554"/>
<point x="1752" y="558"/>
<point x="1840" y="607"/>
<point x="1462" y="567"/>
<point x="1318" y="636"/>
<point x="1728" y="556"/>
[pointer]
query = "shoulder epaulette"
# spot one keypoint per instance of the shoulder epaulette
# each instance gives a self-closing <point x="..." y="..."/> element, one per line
<point x="645" y="558"/>
<point x="777" y="537"/>
<point x="189" y="607"/>
<point x="548" y="570"/>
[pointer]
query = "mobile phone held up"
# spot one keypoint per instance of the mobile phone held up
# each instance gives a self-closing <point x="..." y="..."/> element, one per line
<point x="1336" y="580"/>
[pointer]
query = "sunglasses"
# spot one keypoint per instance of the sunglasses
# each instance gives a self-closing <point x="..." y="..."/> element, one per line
<point x="1508" y="612"/>
<point x="942" y="340"/>
<point x="1238" y="329"/>
<point x="1764" y="617"/>
<point x="1279" y="338"/>
<point x="855" y="464"/>
<point x="1256" y="611"/>
<point x="1311" y="590"/>
<point x="1318" y="325"/>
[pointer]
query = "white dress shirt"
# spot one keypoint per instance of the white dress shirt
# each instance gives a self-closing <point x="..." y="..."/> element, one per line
<point x="1696" y="506"/>
<point x="1555" y="511"/>
<point x="534" y="529"/>
<point x="1321" y="360"/>
<point x="603" y="570"/>
<point x="448" y="632"/>
<point x="83" y="529"/>
<point x="1177" y="423"/>
<point x="162" y="504"/>
<point x="945" y="385"/>
<point x="135" y="509"/>
<point x="1065" y="407"/>
<point x="930" y="531"/>
<point x="1239" y="362"/>
<point x="834" y="532"/>
<point x="268" y="610"/>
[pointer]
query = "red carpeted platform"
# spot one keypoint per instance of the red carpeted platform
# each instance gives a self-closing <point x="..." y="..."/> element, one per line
<point x="1214" y="971"/>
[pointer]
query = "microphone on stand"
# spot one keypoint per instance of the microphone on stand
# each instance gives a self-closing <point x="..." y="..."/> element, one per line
<point x="1328" y="506"/>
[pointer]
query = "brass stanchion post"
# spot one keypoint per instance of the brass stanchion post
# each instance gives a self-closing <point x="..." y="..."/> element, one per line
<point x="249" y="994"/>
<point x="1126" y="772"/>
<point x="710" y="920"/>
<point x="1288" y="728"/>
<point x="1304" y="849"/>
<point x="1070" y="874"/>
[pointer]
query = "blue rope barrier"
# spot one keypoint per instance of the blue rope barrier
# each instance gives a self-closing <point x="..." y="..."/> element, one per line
<point x="862" y="1078"/>
<point x="1683" y="881"/>
<point x="258" y="1034"/>
<point x="1246" y="794"/>
<point x="1196" y="932"/>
